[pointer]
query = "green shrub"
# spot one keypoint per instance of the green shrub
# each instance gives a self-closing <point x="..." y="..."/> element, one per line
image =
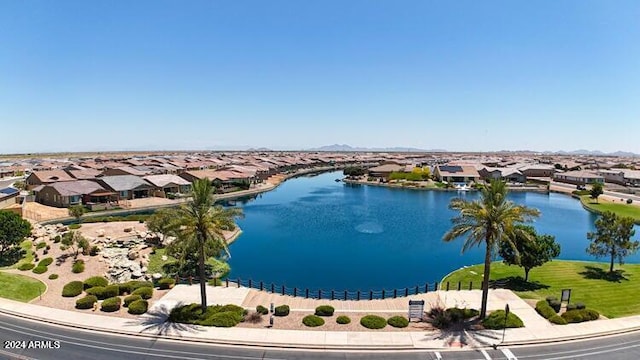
<point x="131" y="298"/>
<point x="590" y="314"/>
<point x="571" y="307"/>
<point x="324" y="310"/>
<point x="96" y="281"/>
<point x="573" y="316"/>
<point x="94" y="250"/>
<point x="282" y="310"/>
<point x="373" y="322"/>
<point x="398" y="321"/>
<point x="40" y="269"/>
<point x="558" y="320"/>
<point x="86" y="302"/>
<point x="222" y="319"/>
<point x="46" y="261"/>
<point x="130" y="286"/>
<point x="53" y="276"/>
<point x="230" y="307"/>
<point x="144" y="292"/>
<point x="104" y="292"/>
<point x="26" y="266"/>
<point x="166" y="283"/>
<point x="555" y="305"/>
<point x="217" y="315"/>
<point x="74" y="226"/>
<point x="543" y="308"/>
<point x="97" y="291"/>
<point x="41" y="245"/>
<point x="78" y="267"/>
<point x="456" y="314"/>
<point x="313" y="321"/>
<point x="111" y="304"/>
<point x="262" y="310"/>
<point x="342" y="320"/>
<point x="72" y="289"/>
<point x="496" y="321"/>
<point x="57" y="239"/>
<point x="138" y="307"/>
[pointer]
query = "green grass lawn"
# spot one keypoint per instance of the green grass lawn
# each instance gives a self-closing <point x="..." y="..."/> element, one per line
<point x="156" y="262"/>
<point x="20" y="287"/>
<point x="612" y="296"/>
<point x="619" y="208"/>
<point x="27" y="258"/>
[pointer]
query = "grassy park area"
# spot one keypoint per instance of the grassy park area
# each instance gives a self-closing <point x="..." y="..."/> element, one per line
<point x="20" y="287"/>
<point x="619" y="208"/>
<point x="612" y="295"/>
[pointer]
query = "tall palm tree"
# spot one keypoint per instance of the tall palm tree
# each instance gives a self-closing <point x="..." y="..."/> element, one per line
<point x="199" y="226"/>
<point x="489" y="220"/>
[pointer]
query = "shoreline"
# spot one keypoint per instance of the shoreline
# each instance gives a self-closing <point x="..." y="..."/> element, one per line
<point x="435" y="188"/>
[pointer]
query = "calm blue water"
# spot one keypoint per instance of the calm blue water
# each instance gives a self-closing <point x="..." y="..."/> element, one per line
<point x="313" y="232"/>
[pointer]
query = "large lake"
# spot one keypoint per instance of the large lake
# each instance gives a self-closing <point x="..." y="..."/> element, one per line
<point x="313" y="232"/>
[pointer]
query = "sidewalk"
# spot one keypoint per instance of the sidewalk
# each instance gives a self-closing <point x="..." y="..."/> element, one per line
<point x="153" y="324"/>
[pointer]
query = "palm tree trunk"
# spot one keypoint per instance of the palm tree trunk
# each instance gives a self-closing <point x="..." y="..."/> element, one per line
<point x="485" y="280"/>
<point x="203" y="278"/>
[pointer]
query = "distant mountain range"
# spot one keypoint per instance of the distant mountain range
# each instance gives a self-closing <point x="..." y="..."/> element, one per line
<point x="348" y="148"/>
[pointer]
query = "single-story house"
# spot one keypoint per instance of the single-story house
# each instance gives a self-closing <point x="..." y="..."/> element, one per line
<point x="223" y="180"/>
<point x="68" y="193"/>
<point x="508" y="174"/>
<point x="580" y="177"/>
<point x="385" y="170"/>
<point x="169" y="183"/>
<point x="456" y="173"/>
<point x="8" y="197"/>
<point x="613" y="176"/>
<point x="537" y="170"/>
<point x="37" y="178"/>
<point x="127" y="187"/>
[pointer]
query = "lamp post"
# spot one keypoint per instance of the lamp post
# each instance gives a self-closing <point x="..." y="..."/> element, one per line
<point x="506" y="315"/>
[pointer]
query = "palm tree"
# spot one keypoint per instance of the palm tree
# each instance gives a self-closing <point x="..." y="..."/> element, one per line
<point x="199" y="225"/>
<point x="489" y="220"/>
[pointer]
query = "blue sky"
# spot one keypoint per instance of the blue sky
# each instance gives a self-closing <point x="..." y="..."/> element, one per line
<point x="456" y="75"/>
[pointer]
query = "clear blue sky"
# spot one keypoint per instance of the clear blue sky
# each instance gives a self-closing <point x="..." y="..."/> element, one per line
<point x="456" y="75"/>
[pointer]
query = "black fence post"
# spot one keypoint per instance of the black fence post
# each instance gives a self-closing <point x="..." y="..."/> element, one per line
<point x="333" y="296"/>
<point x="273" y="288"/>
<point x="406" y="292"/>
<point x="226" y="282"/>
<point x="306" y="293"/>
<point x="435" y="286"/>
<point x="250" y="284"/>
<point x="459" y="284"/>
<point x="382" y="294"/>
<point x="417" y="290"/>
<point x="358" y="295"/>
<point x="295" y="292"/>
<point x="238" y="282"/>
<point x="395" y="293"/>
<point x="370" y="294"/>
<point x="282" y="289"/>
<point x="261" y="286"/>
<point x="426" y="287"/>
<point x="447" y="286"/>
<point x="470" y="285"/>
<point x="345" y="295"/>
<point x="320" y="294"/>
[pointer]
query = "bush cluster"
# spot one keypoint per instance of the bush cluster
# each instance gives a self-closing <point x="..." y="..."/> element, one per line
<point x="78" y="266"/>
<point x="144" y="292"/>
<point x="96" y="281"/>
<point x="53" y="276"/>
<point x="104" y="292"/>
<point x="456" y="314"/>
<point x="41" y="245"/>
<point x="219" y="316"/>
<point x="373" y="322"/>
<point x="343" y="320"/>
<point x="166" y="283"/>
<point x="543" y="308"/>
<point x="262" y="310"/>
<point x="324" y="310"/>
<point x="26" y="266"/>
<point x="86" y="302"/>
<point x="282" y="310"/>
<point x="130" y="286"/>
<point x="40" y="269"/>
<point x="558" y="320"/>
<point x="138" y="307"/>
<point x="313" y="321"/>
<point x="72" y="289"/>
<point x="46" y="261"/>
<point x="131" y="298"/>
<point x="496" y="321"/>
<point x="94" y="250"/>
<point x="576" y="316"/>
<point x="111" y="304"/>
<point x="398" y="321"/>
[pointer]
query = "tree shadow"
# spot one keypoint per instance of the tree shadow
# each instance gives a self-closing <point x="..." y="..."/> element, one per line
<point x="595" y="273"/>
<point x="516" y="283"/>
<point x="12" y="256"/>
<point x="157" y="321"/>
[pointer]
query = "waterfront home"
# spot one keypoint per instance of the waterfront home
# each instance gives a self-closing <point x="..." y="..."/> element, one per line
<point x="168" y="184"/>
<point x="537" y="170"/>
<point x="69" y="193"/>
<point x="508" y="174"/>
<point x="46" y="177"/>
<point x="385" y="170"/>
<point x="625" y="177"/>
<point x="580" y="177"/>
<point x="456" y="173"/>
<point x="127" y="187"/>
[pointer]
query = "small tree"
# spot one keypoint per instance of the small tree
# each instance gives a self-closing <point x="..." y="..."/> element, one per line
<point x="596" y="190"/>
<point x="13" y="229"/>
<point x="161" y="222"/>
<point x="75" y="242"/>
<point x="77" y="211"/>
<point x="529" y="251"/>
<point x="612" y="238"/>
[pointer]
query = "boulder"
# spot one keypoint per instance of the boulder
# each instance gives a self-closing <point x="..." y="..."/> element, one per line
<point x="132" y="255"/>
<point x="156" y="276"/>
<point x="100" y="232"/>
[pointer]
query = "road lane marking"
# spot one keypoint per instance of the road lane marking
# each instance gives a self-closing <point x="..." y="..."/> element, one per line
<point x="485" y="354"/>
<point x="508" y="354"/>
<point x="438" y="356"/>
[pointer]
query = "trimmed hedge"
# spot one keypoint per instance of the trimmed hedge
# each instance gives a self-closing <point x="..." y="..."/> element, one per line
<point x="96" y="281"/>
<point x="46" y="261"/>
<point x="543" y="308"/>
<point x="496" y="321"/>
<point x="131" y="298"/>
<point x="138" y="307"/>
<point x="111" y="304"/>
<point x="144" y="292"/>
<point x="221" y="316"/>
<point x="577" y="316"/>
<point x="282" y="310"/>
<point x="166" y="283"/>
<point x="262" y="310"/>
<point x="222" y="319"/>
<point x="373" y="322"/>
<point x="53" y="276"/>
<point x="72" y="289"/>
<point x="40" y="269"/>
<point x="398" y="321"/>
<point x="342" y="320"/>
<point x="324" y="310"/>
<point x="26" y="266"/>
<point x="130" y="286"/>
<point x="313" y="321"/>
<point x="78" y="267"/>
<point x="558" y="320"/>
<point x="86" y="302"/>
<point x="104" y="292"/>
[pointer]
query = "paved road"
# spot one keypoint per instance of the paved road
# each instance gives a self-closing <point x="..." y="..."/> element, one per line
<point x="75" y="344"/>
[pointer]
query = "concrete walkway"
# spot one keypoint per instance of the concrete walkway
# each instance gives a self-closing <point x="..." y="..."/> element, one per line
<point x="154" y="323"/>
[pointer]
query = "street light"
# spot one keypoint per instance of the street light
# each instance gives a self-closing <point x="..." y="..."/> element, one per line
<point x="506" y="315"/>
